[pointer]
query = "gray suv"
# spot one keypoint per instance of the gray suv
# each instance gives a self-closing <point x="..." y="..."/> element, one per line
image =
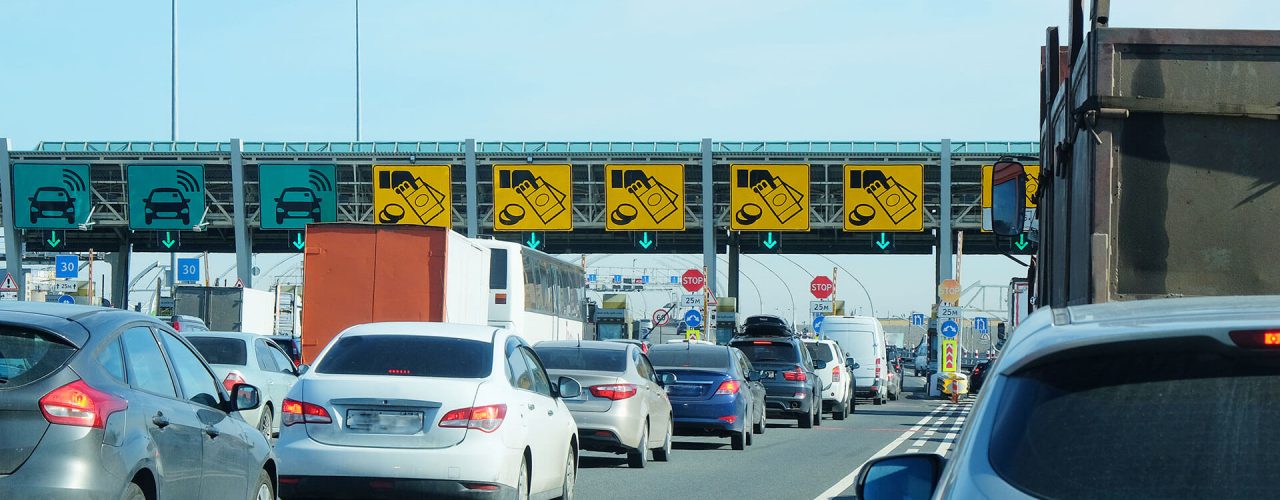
<point x="105" y="403"/>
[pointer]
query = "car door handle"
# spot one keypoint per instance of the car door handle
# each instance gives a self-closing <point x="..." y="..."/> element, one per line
<point x="212" y="432"/>
<point x="532" y="406"/>
<point x="550" y="413"/>
<point x="160" y="420"/>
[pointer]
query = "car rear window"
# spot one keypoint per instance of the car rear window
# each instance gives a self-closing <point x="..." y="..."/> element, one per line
<point x="762" y="351"/>
<point x="221" y="351"/>
<point x="717" y="359"/>
<point x="570" y="358"/>
<point x="821" y="352"/>
<point x="1190" y="419"/>
<point x="408" y="355"/>
<point x="766" y="330"/>
<point x="27" y="356"/>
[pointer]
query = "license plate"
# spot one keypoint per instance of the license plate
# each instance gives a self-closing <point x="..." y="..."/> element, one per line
<point x="769" y="374"/>
<point x="384" y="422"/>
<point x="684" y="390"/>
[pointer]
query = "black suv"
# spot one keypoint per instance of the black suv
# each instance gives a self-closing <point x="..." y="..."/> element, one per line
<point x="787" y="370"/>
<point x="766" y="325"/>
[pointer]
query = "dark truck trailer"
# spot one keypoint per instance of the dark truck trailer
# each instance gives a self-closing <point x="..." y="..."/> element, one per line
<point x="226" y="309"/>
<point x="1159" y="157"/>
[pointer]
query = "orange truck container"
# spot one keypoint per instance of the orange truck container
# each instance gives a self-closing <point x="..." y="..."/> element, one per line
<point x="365" y="273"/>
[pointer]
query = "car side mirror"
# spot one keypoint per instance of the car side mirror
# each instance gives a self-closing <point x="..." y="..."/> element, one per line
<point x="665" y="379"/>
<point x="755" y="376"/>
<point x="568" y="388"/>
<point x="900" y="476"/>
<point x="1008" y="197"/>
<point x="819" y="364"/>
<point x="853" y="365"/>
<point x="303" y="369"/>
<point x="245" y="397"/>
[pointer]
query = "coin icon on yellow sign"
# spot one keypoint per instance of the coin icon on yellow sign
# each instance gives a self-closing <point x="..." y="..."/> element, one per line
<point x="533" y="197"/>
<point x="883" y="198"/>
<point x="769" y="197"/>
<point x="412" y="194"/>
<point x="644" y="197"/>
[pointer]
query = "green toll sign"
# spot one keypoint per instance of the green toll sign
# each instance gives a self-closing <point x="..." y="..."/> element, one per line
<point x="293" y="195"/>
<point x="50" y="196"/>
<point x="165" y="197"/>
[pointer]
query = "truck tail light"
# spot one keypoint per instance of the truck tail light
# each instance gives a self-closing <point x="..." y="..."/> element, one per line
<point x="80" y="405"/>
<point x="299" y="412"/>
<point x="877" y="367"/>
<point x="482" y="418"/>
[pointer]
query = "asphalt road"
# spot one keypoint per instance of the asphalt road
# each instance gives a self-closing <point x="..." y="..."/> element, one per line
<point x="785" y="462"/>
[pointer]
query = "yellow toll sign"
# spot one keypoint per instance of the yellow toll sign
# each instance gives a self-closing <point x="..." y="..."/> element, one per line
<point x="769" y="197"/>
<point x="1033" y="183"/>
<point x="644" y="197"/>
<point x="533" y="197"/>
<point x="412" y="194"/>
<point x="883" y="197"/>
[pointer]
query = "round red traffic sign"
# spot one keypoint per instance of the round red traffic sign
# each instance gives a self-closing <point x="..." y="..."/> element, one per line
<point x="821" y="287"/>
<point x="660" y="317"/>
<point x="693" y="280"/>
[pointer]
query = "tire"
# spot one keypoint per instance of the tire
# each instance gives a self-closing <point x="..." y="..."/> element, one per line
<point x="133" y="492"/>
<point x="839" y="411"/>
<point x="806" y="420"/>
<point x="817" y="415"/>
<point x="570" y="477"/>
<point x="750" y="438"/>
<point x="759" y="427"/>
<point x="522" y="483"/>
<point x="878" y="401"/>
<point x="739" y="440"/>
<point x="265" y="489"/>
<point x="264" y="422"/>
<point x="851" y="406"/>
<point x="639" y="457"/>
<point x="663" y="453"/>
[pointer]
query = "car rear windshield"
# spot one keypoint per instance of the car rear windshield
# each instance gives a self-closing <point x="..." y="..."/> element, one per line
<point x="27" y="356"/>
<point x="764" y="352"/>
<point x="1190" y="419"/>
<point x="820" y="352"/>
<point x="221" y="351"/>
<point x="572" y="358"/>
<point x="766" y="330"/>
<point x="408" y="355"/>
<point x="717" y="359"/>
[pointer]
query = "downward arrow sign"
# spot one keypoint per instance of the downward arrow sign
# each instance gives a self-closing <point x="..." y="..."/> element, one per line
<point x="1022" y="242"/>
<point x="168" y="240"/>
<point x="533" y="241"/>
<point x="883" y="243"/>
<point x="298" y="243"/>
<point x="53" y="239"/>
<point x="769" y="242"/>
<point x="645" y="242"/>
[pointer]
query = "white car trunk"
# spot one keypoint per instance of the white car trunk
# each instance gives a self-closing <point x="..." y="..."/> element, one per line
<point x="386" y="412"/>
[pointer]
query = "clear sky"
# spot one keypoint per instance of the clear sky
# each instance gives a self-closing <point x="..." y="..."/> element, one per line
<point x="561" y="70"/>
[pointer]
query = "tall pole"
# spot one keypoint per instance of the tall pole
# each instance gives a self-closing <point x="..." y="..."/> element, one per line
<point x="12" y="237"/>
<point x="173" y="70"/>
<point x="944" y="215"/>
<point x="708" y="218"/>
<point x="357" y="70"/>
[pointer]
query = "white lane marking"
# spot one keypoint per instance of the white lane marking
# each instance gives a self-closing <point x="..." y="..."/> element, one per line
<point x="914" y="450"/>
<point x="847" y="481"/>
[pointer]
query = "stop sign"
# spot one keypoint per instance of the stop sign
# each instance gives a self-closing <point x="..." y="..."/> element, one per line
<point x="693" y="280"/>
<point x="821" y="287"/>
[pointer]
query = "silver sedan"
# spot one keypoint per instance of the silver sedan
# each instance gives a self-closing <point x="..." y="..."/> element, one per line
<point x="623" y="407"/>
<point x="247" y="358"/>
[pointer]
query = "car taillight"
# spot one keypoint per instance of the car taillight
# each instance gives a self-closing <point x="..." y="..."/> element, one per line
<point x="613" y="391"/>
<point x="232" y="379"/>
<point x="482" y="418"/>
<point x="761" y="342"/>
<point x="877" y="367"/>
<point x="299" y="412"/>
<point x="835" y="374"/>
<point x="177" y="327"/>
<point x="80" y="405"/>
<point x="1257" y="339"/>
<point x="728" y="387"/>
<point x="795" y="374"/>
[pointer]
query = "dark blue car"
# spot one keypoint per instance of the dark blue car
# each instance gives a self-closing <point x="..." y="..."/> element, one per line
<point x="715" y="391"/>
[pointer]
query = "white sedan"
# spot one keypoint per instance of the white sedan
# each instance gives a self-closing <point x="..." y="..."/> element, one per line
<point x="430" y="409"/>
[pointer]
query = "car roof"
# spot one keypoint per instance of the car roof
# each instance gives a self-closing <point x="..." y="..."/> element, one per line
<point x="228" y="335"/>
<point x="586" y="344"/>
<point x="687" y="346"/>
<point x="1048" y="331"/>
<point x="72" y="321"/>
<point x="471" y="332"/>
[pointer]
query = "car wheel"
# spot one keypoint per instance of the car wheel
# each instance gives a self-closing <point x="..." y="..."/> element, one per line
<point x="265" y="489"/>
<point x="570" y="477"/>
<point x="762" y="424"/>
<point x="522" y="484"/>
<point x="663" y="454"/>
<point x="264" y="422"/>
<point x="133" y="492"/>
<point x="639" y="457"/>
<point x="840" y="410"/>
<point x="806" y="420"/>
<point x="750" y="438"/>
<point x="878" y="401"/>
<point x="739" y="440"/>
<point x="817" y="415"/>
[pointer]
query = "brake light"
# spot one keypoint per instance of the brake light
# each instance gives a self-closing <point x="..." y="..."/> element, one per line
<point x="796" y="375"/>
<point x="499" y="298"/>
<point x="613" y="391"/>
<point x="835" y="374"/>
<point x="80" y="405"/>
<point x="232" y="379"/>
<point x="177" y="327"/>
<point x="1263" y="339"/>
<point x="397" y="371"/>
<point x="299" y="412"/>
<point x="482" y="418"/>
<point x="877" y="367"/>
<point x="729" y="419"/>
<point x="728" y="387"/>
<point x="761" y="342"/>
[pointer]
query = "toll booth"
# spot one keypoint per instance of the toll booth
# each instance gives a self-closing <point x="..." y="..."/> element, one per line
<point x="613" y="320"/>
<point x="726" y="320"/>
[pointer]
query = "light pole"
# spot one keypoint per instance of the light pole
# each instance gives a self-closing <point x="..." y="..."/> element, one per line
<point x="357" y="70"/>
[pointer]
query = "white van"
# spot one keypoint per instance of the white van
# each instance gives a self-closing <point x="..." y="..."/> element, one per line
<point x="862" y="338"/>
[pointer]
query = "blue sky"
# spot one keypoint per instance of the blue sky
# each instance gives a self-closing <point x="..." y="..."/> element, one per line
<point x="563" y="70"/>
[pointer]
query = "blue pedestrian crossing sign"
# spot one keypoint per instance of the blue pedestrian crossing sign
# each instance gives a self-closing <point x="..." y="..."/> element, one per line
<point x="917" y="319"/>
<point x="980" y="324"/>
<point x="66" y="266"/>
<point x="66" y="299"/>
<point x="817" y="323"/>
<point x="692" y="318"/>
<point x="949" y="329"/>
